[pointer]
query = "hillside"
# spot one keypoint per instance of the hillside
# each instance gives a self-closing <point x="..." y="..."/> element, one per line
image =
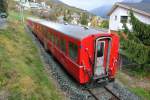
<point x="131" y="1"/>
<point x="146" y="1"/>
<point x="102" y="11"/>
<point x="60" y="5"/>
<point x="22" y="73"/>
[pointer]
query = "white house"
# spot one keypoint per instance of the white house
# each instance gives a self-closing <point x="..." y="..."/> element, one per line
<point x="119" y="14"/>
<point x="75" y="18"/>
<point x="33" y="4"/>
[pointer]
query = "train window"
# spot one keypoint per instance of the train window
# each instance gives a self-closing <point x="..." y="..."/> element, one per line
<point x="52" y="38"/>
<point x="40" y="28"/>
<point x="73" y="50"/>
<point x="44" y="30"/>
<point x="56" y="41"/>
<point x="49" y="36"/>
<point x="100" y="49"/>
<point x="63" y="45"/>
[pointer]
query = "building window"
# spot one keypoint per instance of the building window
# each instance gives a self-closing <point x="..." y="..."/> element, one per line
<point x="63" y="45"/>
<point x="73" y="51"/>
<point x="115" y="17"/>
<point x="124" y="19"/>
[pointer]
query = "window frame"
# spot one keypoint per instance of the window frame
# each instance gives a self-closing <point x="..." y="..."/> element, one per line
<point x="63" y="45"/>
<point x="52" y="38"/>
<point x="115" y="17"/>
<point x="73" y="50"/>
<point x="101" y="49"/>
<point x="57" y="42"/>
<point x="45" y="30"/>
<point x="124" y="20"/>
<point x="49" y="36"/>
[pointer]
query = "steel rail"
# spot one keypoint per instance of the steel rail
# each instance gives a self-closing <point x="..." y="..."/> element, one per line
<point x="117" y="97"/>
<point x="94" y="96"/>
<point x="114" y="96"/>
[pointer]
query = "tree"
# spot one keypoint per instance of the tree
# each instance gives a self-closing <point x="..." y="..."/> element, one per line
<point x="53" y="17"/>
<point x="94" y="21"/>
<point x="3" y="6"/>
<point x="137" y="45"/>
<point x="65" y="17"/>
<point x="104" y="24"/>
<point x="84" y="18"/>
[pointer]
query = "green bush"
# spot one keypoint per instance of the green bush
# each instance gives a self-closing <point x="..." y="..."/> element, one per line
<point x="104" y="24"/>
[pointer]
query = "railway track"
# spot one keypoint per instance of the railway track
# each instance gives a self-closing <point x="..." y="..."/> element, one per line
<point x="114" y="96"/>
<point x="102" y="93"/>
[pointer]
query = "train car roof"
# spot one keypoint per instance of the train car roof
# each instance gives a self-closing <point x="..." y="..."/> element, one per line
<point x="75" y="31"/>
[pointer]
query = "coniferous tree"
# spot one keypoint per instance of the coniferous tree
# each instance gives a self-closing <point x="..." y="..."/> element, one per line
<point x="65" y="18"/>
<point x="84" y="20"/>
<point x="137" y="45"/>
<point x="3" y="6"/>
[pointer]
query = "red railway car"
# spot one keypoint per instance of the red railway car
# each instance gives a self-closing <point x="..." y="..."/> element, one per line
<point x="87" y="54"/>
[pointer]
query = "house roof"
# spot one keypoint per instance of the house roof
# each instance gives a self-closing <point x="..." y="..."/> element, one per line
<point x="141" y="8"/>
<point x="75" y="31"/>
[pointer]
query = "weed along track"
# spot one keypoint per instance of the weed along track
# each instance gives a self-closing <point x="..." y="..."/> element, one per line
<point x="72" y="89"/>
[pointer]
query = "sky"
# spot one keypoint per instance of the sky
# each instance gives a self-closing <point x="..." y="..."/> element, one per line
<point x="89" y="4"/>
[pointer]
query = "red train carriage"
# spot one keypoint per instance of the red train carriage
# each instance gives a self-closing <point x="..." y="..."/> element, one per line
<point x="87" y="54"/>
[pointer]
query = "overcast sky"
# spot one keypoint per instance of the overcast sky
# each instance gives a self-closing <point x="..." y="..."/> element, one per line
<point x="89" y="4"/>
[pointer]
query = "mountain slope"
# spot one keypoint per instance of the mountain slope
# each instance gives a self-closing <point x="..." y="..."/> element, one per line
<point x="103" y="10"/>
<point x="131" y="1"/>
<point x="146" y="1"/>
<point x="59" y="4"/>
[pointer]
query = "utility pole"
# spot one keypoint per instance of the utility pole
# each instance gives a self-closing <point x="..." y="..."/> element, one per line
<point x="21" y="11"/>
<point x="22" y="14"/>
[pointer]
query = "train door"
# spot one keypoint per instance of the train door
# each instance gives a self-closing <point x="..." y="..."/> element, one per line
<point x="101" y="59"/>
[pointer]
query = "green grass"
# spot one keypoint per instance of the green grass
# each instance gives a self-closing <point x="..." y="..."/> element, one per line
<point x="141" y="92"/>
<point x="131" y="85"/>
<point x="22" y="75"/>
<point x="137" y="71"/>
